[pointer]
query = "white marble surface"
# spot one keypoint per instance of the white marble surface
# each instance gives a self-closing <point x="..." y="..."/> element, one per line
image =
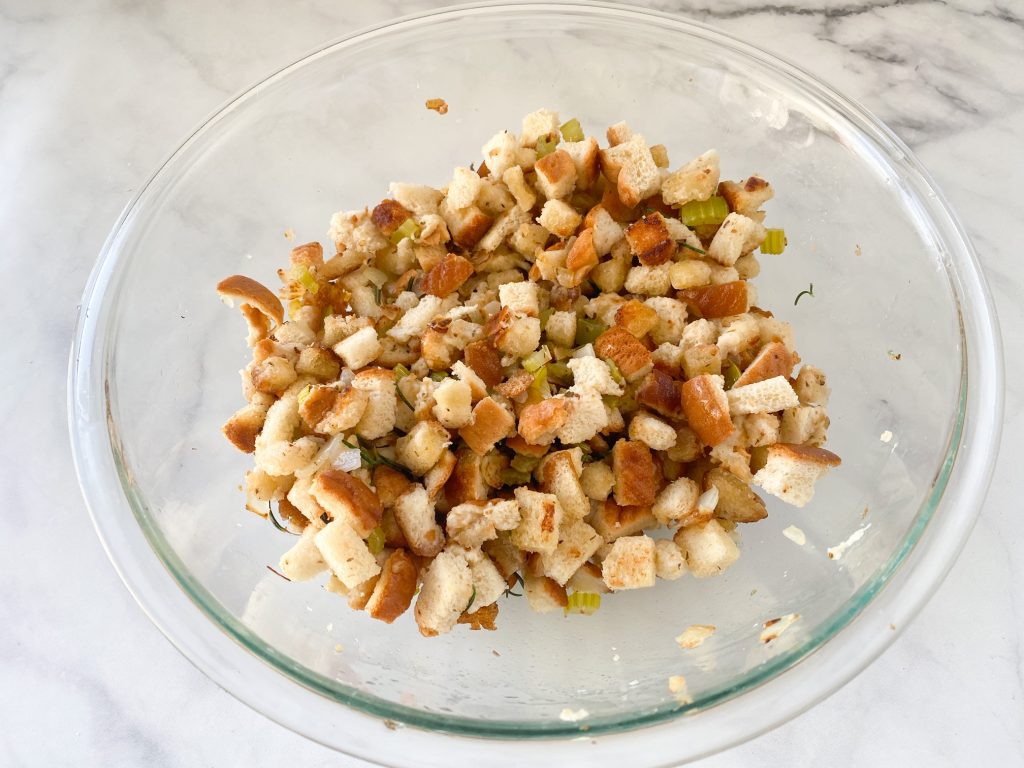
<point x="93" y="94"/>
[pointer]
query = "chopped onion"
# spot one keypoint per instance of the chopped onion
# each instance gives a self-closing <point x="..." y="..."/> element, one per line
<point x="708" y="499"/>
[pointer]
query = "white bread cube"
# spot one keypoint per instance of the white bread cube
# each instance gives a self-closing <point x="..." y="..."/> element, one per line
<point x="748" y="197"/>
<point x="677" y="502"/>
<point x="649" y="281"/>
<point x="577" y="543"/>
<point x="561" y="328"/>
<point x="464" y="188"/>
<point x="651" y="430"/>
<point x="806" y="424"/>
<point x="698" y="333"/>
<point x="488" y="584"/>
<point x="544" y="594"/>
<point x="697" y="180"/>
<point x="540" y="519"/>
<point x="587" y="416"/>
<point x="521" y="338"/>
<point x="556" y="175"/>
<point x="445" y="593"/>
<point x="619" y="133"/>
<point x="378" y="418"/>
<point x="597" y="480"/>
<point x="416" y="198"/>
<point x="420" y="449"/>
<point x="491" y="423"/>
<point x="584" y="156"/>
<point x="709" y="548"/>
<point x="501" y="152"/>
<point x="792" y="470"/>
<point x="338" y="327"/>
<point x="738" y="336"/>
<point x="474" y="522"/>
<point x="610" y="274"/>
<point x="560" y="476"/>
<point x="494" y="198"/>
<point x="669" y="560"/>
<point x="607" y="231"/>
<point x="346" y="554"/>
<point x="414" y="513"/>
<point x="360" y="349"/>
<point x="759" y="429"/>
<point x="522" y="297"/>
<point x="528" y="239"/>
<point x="593" y="373"/>
<point x="588" y="579"/>
<point x="747" y="267"/>
<point x="559" y="218"/>
<point x="811" y="386"/>
<point x="353" y="231"/>
<point x="773" y="329"/>
<point x="613" y="521"/>
<point x="671" y="318"/>
<point x="303" y="561"/>
<point x="453" y="403"/>
<point x="737" y="236"/>
<point x="275" y="454"/>
<point x="414" y="321"/>
<point x="438" y="474"/>
<point x="630" y="564"/>
<point x="477" y="388"/>
<point x="668" y="356"/>
<point x="524" y="195"/>
<point x="766" y="396"/>
<point x="502" y="229"/>
<point x="537" y="125"/>
<point x="638" y="176"/>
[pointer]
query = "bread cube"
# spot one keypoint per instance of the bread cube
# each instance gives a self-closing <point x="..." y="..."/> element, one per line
<point x="654" y="432"/>
<point x="446" y="590"/>
<point x="559" y="218"/>
<point x="303" y="561"/>
<point x="577" y="543"/>
<point x="540" y="519"/>
<point x="346" y="554"/>
<point x="630" y="564"/>
<point x="697" y="180"/>
<point x="709" y="548"/>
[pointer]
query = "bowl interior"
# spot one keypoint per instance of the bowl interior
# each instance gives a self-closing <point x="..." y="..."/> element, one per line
<point x="329" y="134"/>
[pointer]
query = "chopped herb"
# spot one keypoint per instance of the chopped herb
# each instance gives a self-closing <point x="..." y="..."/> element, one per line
<point x="572" y="130"/>
<point x="278" y="573"/>
<point x="519" y="583"/>
<point x="774" y="241"/>
<point x="808" y="292"/>
<point x="693" y="248"/>
<point x="471" y="599"/>
<point x="376" y="293"/>
<point x="277" y="524"/>
<point x="895" y="355"/>
<point x="699" y="213"/>
<point x="732" y="374"/>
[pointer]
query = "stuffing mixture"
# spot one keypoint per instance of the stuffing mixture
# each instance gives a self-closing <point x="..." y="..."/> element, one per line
<point x="549" y="375"/>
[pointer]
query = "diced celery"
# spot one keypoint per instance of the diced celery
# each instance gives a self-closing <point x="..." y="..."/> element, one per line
<point x="294" y="306"/>
<point x="572" y="131"/>
<point x="511" y="476"/>
<point x="545" y="315"/>
<point x="587" y="331"/>
<point x="308" y="281"/>
<point x="617" y="376"/>
<point x="546" y="145"/>
<point x="408" y="228"/>
<point x="535" y="360"/>
<point x="375" y="541"/>
<point x="585" y="603"/>
<point x="524" y="463"/>
<point x="559" y="372"/>
<point x="732" y="374"/>
<point x="774" y="241"/>
<point x="439" y="375"/>
<point x="698" y="213"/>
<point x="304" y="394"/>
<point x="400" y="372"/>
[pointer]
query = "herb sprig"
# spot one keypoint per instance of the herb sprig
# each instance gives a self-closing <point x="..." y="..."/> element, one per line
<point x="808" y="292"/>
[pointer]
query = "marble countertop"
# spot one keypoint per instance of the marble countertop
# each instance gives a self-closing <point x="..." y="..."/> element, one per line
<point x="94" y="94"/>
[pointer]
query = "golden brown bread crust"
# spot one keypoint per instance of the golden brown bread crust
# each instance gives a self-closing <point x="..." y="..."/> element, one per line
<point x="245" y="290"/>
<point x="662" y="394"/>
<point x="259" y="324"/>
<point x="555" y="166"/>
<point x="389" y="484"/>
<point x="485" y="361"/>
<point x="447" y="275"/>
<point x="636" y="317"/>
<point x="805" y="453"/>
<point x="393" y="536"/>
<point x="395" y="588"/>
<point x="515" y="385"/>
<point x="472" y="226"/>
<point x="582" y="256"/>
<point x="621" y="347"/>
<point x="491" y="423"/>
<point x="244" y="427"/>
<point x="518" y="444"/>
<point x="467" y="480"/>
<point x="707" y="414"/>
<point x="649" y="240"/>
<point x="773" y="360"/>
<point x="481" y="618"/>
<point x="318" y="402"/>
<point x="612" y="520"/>
<point x="617" y="209"/>
<point x="388" y="216"/>
<point x="713" y="301"/>
<point x="308" y="255"/>
<point x="538" y="422"/>
<point x="636" y="480"/>
<point x="335" y="489"/>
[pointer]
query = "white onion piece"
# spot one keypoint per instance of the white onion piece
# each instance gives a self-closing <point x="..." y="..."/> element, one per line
<point x="709" y="499"/>
<point x="348" y="460"/>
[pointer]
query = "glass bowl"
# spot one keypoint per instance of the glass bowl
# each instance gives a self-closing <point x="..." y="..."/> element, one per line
<point x="900" y="319"/>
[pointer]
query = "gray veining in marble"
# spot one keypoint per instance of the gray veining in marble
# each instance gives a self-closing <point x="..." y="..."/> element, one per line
<point x="93" y="95"/>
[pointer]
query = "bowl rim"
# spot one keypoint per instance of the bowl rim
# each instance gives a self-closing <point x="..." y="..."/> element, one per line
<point x="960" y="484"/>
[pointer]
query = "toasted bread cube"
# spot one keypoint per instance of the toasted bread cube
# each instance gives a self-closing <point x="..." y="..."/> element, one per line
<point x="556" y="175"/>
<point x="503" y="228"/>
<point x="763" y="397"/>
<point x="706" y="406"/>
<point x="379" y="415"/>
<point x="490" y="424"/>
<point x="434" y="481"/>
<point x="360" y="349"/>
<point x="501" y="152"/>
<point x="561" y="328"/>
<point x="463" y="188"/>
<point x="630" y="564"/>
<point x="559" y="218"/>
<point x="659" y="153"/>
<point x="275" y="452"/>
<point x="587" y="416"/>
<point x="620" y="346"/>
<point x="635" y="476"/>
<point x="414" y="513"/>
<point x="346" y="554"/>
<point x="649" y="240"/>
<point x="759" y="429"/>
<point x="529" y="239"/>
<point x="697" y="332"/>
<point x="560" y="476"/>
<point x="415" y="197"/>
<point x="544" y="594"/>
<point x="805" y="424"/>
<point x="579" y="261"/>
<point x="346" y="497"/>
<point x="649" y="281"/>
<point x="671" y="319"/>
<point x="736" y="502"/>
<point x="702" y="360"/>
<point x="697" y="180"/>
<point x="654" y="432"/>
<point x="414" y="322"/>
<point x="389" y="484"/>
<point x="454" y="405"/>
<point x="273" y="375"/>
<point x="638" y="177"/>
<point x="244" y="426"/>
<point x="521" y="338"/>
<point x="477" y="388"/>
<point x="577" y="542"/>
<point x="420" y="449"/>
<point x="792" y="470"/>
<point x="540" y="519"/>
<point x="539" y="423"/>
<point x="689" y="274"/>
<point x="353" y="231"/>
<point x="537" y="125"/>
<point x="636" y="317"/>
<point x="610" y="275"/>
<point x="613" y="521"/>
<point x="593" y="373"/>
<point x="669" y="560"/>
<point x="747" y="267"/>
<point x="619" y="133"/>
<point x="303" y="561"/>
<point x="669" y="358"/>
<point x="445" y="593"/>
<point x="687" y="448"/>
<point x="488" y="583"/>
<point x="522" y="297"/>
<point x="524" y="196"/>
<point x="714" y="301"/>
<point x="507" y="557"/>
<point x="387" y="217"/>
<point x="466" y="225"/>
<point x="677" y="503"/>
<point x="811" y="386"/>
<point x="394" y="590"/>
<point x="319" y="363"/>
<point x="661" y="393"/>
<point x="738" y="337"/>
<point x="772" y="360"/>
<point x="584" y="156"/>
<point x="748" y="197"/>
<point x="607" y="231"/>
<point x="597" y="480"/>
<point x="474" y="522"/>
<point x="709" y="548"/>
<point x="738" y="235"/>
<point x="447" y="276"/>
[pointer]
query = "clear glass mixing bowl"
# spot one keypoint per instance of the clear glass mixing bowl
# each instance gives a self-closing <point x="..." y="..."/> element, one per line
<point x="154" y="362"/>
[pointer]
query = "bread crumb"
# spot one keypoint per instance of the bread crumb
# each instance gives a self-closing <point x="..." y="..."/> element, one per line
<point x="339" y="648"/>
<point x="677" y="684"/>
<point x="438" y="105"/>
<point x="836" y="552"/>
<point x="886" y="436"/>
<point x="694" y="635"/>
<point x="775" y="627"/>
<point x="795" y="535"/>
<point x="572" y="715"/>
<point x="289" y="235"/>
